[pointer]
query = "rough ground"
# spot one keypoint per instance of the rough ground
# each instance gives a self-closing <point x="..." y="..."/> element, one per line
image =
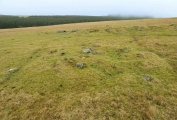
<point x="129" y="73"/>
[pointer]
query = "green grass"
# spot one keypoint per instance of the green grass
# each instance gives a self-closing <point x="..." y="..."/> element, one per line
<point x="112" y="85"/>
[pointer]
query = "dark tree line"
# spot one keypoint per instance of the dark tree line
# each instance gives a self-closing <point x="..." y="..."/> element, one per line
<point x="30" y="21"/>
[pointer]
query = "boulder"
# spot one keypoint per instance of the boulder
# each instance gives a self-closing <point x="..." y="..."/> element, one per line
<point x="147" y="78"/>
<point x="69" y="59"/>
<point x="88" y="50"/>
<point x="79" y="65"/>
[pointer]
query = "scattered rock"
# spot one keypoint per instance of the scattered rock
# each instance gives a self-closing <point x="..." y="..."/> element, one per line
<point x="96" y="53"/>
<point x="79" y="65"/>
<point x="96" y="45"/>
<point x="126" y="49"/>
<point x="108" y="30"/>
<point x="123" y="50"/>
<point x="53" y="51"/>
<point x="147" y="78"/>
<point x="119" y="31"/>
<point x="88" y="50"/>
<point x="12" y="70"/>
<point x="70" y="59"/>
<point x="61" y="31"/>
<point x="62" y="54"/>
<point x="139" y="55"/>
<point x="84" y="56"/>
<point x="94" y="30"/>
<point x="75" y="30"/>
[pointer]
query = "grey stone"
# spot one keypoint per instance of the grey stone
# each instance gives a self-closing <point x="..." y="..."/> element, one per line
<point x="88" y="50"/>
<point x="119" y="31"/>
<point x="147" y="78"/>
<point x="69" y="59"/>
<point x="12" y="70"/>
<point x="96" y="53"/>
<point x="79" y="65"/>
<point x="96" y="45"/>
<point x="126" y="50"/>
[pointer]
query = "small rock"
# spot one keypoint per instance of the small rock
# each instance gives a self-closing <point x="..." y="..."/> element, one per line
<point x="11" y="69"/>
<point x="96" y="45"/>
<point x="119" y="31"/>
<point x="84" y="56"/>
<point x="74" y="30"/>
<point x="139" y="55"/>
<point x="108" y="30"/>
<point x="62" y="53"/>
<point x="96" y="53"/>
<point x="126" y="50"/>
<point x="69" y="59"/>
<point x="79" y="65"/>
<point x="88" y="50"/>
<point x="53" y="51"/>
<point x="61" y="31"/>
<point x="147" y="78"/>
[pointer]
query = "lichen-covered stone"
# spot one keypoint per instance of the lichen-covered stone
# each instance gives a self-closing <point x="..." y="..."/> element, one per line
<point x="88" y="50"/>
<point x="79" y="65"/>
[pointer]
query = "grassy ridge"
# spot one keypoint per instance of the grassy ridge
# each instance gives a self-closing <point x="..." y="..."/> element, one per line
<point x="112" y="85"/>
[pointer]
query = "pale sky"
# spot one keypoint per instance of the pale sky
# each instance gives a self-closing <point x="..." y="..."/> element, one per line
<point x="154" y="8"/>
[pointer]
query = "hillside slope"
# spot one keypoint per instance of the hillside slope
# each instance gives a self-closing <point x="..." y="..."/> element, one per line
<point x="128" y="71"/>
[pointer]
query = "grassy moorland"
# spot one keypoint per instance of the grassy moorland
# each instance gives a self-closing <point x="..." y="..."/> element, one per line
<point x="130" y="72"/>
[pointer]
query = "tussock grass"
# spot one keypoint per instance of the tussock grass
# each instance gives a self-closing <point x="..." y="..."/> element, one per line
<point x="112" y="84"/>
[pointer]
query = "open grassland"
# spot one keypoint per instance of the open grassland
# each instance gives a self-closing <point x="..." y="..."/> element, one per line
<point x="131" y="72"/>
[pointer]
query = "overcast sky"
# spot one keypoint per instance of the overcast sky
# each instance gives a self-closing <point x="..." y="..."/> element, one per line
<point x="154" y="8"/>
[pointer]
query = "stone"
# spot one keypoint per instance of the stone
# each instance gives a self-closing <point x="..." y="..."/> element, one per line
<point x="88" y="50"/>
<point x="69" y="59"/>
<point x="119" y="31"/>
<point x="126" y="50"/>
<point x="147" y="78"/>
<point x="139" y="55"/>
<point x="75" y="30"/>
<point x="96" y="45"/>
<point x="62" y="53"/>
<point x="53" y="51"/>
<point x="96" y="53"/>
<point x="79" y="65"/>
<point x="12" y="70"/>
<point x="61" y="31"/>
